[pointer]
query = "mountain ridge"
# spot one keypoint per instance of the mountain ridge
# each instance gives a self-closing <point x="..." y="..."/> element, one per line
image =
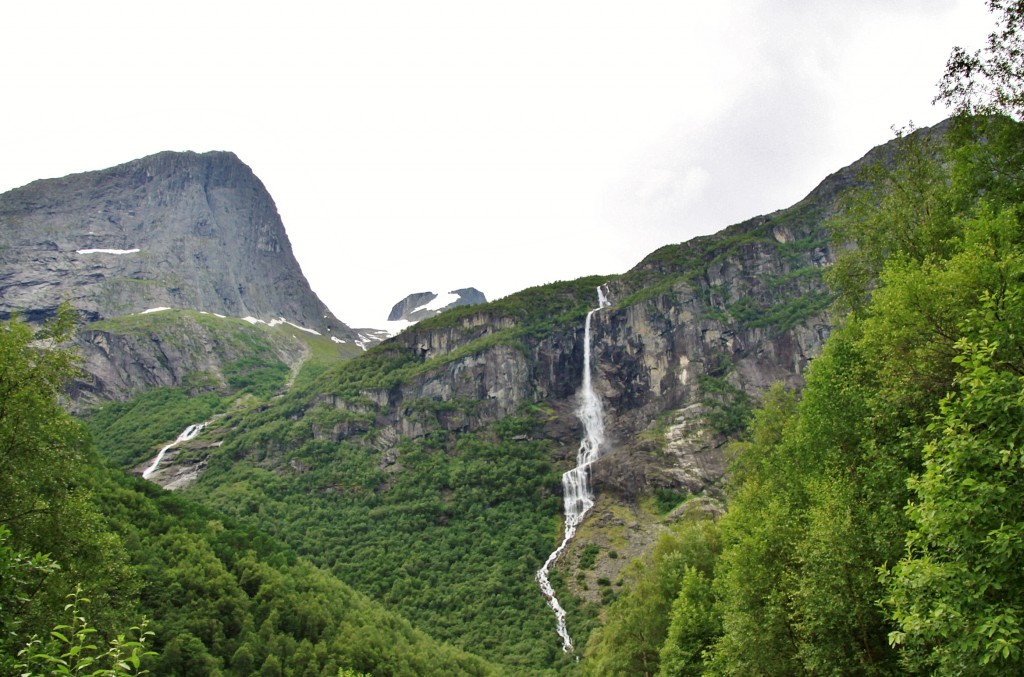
<point x="694" y="334"/>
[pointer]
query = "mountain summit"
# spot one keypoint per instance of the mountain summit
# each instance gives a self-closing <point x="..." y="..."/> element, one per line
<point x="421" y="305"/>
<point x="186" y="231"/>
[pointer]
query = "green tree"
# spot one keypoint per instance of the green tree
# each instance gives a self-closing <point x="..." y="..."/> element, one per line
<point x="758" y="533"/>
<point x="45" y="505"/>
<point x="693" y="627"/>
<point x="902" y="208"/>
<point x="40" y="445"/>
<point x="938" y="260"/>
<point x="989" y="80"/>
<point x="631" y="640"/>
<point x="958" y="594"/>
<point x="72" y="649"/>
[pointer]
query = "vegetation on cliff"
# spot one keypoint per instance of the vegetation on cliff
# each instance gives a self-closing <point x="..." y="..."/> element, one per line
<point x="874" y="521"/>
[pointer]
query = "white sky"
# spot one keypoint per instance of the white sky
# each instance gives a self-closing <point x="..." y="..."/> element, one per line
<point x="427" y="146"/>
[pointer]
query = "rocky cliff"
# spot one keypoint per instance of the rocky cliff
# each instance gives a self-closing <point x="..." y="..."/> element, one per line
<point x="180" y="230"/>
<point x="183" y="233"/>
<point x="696" y="332"/>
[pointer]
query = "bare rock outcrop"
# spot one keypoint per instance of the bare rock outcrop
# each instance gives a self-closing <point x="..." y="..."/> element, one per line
<point x="181" y="230"/>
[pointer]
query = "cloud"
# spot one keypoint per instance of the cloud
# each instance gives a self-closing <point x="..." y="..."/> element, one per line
<point x="498" y="145"/>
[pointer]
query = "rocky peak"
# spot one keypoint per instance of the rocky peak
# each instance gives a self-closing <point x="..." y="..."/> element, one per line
<point x="186" y="230"/>
<point x="421" y="305"/>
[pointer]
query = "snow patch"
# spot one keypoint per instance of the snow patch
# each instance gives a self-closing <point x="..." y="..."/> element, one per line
<point x="438" y="302"/>
<point x="314" y="332"/>
<point x="280" y="320"/>
<point x="369" y="337"/>
<point x="396" y="327"/>
<point x="117" y="252"/>
<point x="154" y="310"/>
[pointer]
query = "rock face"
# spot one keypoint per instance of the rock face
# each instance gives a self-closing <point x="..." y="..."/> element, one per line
<point x="421" y="305"/>
<point x="695" y="335"/>
<point x="179" y="230"/>
<point x="122" y="360"/>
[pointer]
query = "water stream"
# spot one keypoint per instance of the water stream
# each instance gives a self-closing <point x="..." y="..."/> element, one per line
<point x="578" y="497"/>
<point x="185" y="436"/>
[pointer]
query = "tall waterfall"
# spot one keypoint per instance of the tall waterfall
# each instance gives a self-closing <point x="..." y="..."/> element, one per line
<point x="185" y="436"/>
<point x="578" y="497"/>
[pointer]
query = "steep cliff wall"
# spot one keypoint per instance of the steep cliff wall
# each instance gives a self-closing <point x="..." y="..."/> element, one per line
<point x="181" y="230"/>
<point x="124" y="357"/>
<point x="695" y="334"/>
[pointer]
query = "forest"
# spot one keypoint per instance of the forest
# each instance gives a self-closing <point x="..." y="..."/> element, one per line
<point x="874" y="521"/>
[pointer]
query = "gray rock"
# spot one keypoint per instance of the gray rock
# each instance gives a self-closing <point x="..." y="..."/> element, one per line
<point x="179" y="230"/>
<point x="412" y="309"/>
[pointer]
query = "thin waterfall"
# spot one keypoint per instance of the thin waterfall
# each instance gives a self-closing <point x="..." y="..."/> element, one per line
<point x="185" y="436"/>
<point x="578" y="497"/>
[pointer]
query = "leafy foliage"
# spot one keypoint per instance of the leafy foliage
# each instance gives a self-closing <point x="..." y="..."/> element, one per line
<point x="957" y="593"/>
<point x="52" y="538"/>
<point x="447" y="533"/>
<point x="637" y="623"/>
<point x="226" y="598"/>
<point x="131" y="432"/>
<point x="810" y="521"/>
<point x="990" y="80"/>
<point x="71" y="649"/>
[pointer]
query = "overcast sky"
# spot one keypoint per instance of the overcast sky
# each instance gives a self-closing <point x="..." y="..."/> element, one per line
<point x="425" y="146"/>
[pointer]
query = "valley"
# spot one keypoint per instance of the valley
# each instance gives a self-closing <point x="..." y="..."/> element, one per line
<point x="531" y="485"/>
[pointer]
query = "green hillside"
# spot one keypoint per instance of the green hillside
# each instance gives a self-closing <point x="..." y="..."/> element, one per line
<point x="814" y="456"/>
<point x="220" y="598"/>
<point x="874" y="520"/>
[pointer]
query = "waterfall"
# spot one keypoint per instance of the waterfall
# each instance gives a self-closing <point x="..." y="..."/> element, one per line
<point x="185" y="436"/>
<point x="578" y="498"/>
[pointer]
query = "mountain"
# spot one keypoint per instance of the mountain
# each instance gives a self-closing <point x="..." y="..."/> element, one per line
<point x="167" y="236"/>
<point x="179" y="230"/>
<point x="426" y="472"/>
<point x="421" y="305"/>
